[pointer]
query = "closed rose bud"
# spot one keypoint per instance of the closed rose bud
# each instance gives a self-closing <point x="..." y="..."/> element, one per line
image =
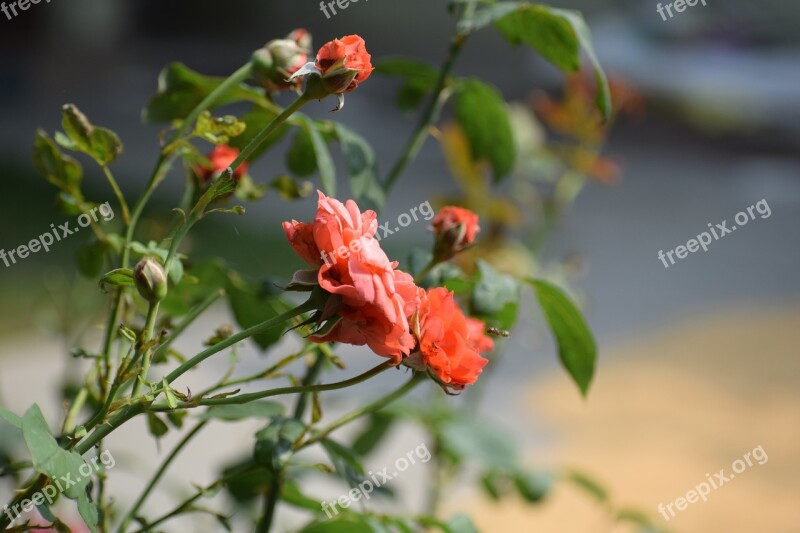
<point x="344" y="64"/>
<point x="150" y="280"/>
<point x="455" y="228"/>
<point x="275" y="63"/>
<point x="220" y="158"/>
<point x="302" y="38"/>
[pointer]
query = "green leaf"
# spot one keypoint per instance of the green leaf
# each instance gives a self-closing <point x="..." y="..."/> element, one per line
<point x="49" y="458"/>
<point x="407" y="69"/>
<point x="158" y="428"/>
<point x="483" y="115"/>
<point x="106" y="146"/>
<point x="362" y="166"/>
<point x="489" y="483"/>
<point x="460" y="523"/>
<point x="246" y="481"/>
<point x="172" y="400"/>
<point x="495" y="297"/>
<point x="290" y="188"/>
<point x="419" y="79"/>
<point x="90" y="259"/>
<point x="181" y="89"/>
<point x="485" y="16"/>
<point x="559" y="35"/>
<point x="301" y="158"/>
<point x="218" y="130"/>
<point x="291" y="494"/>
<point x="61" y="170"/>
<point x="236" y="413"/>
<point x="545" y="30"/>
<point x="476" y="440"/>
<point x="533" y="487"/>
<point x="327" y="170"/>
<point x="77" y="127"/>
<point x="11" y="418"/>
<point x="377" y="428"/>
<point x="120" y="277"/>
<point x="576" y="346"/>
<point x="338" y="452"/>
<point x="88" y="511"/>
<point x="197" y="284"/>
<point x="102" y="144"/>
<point x="275" y="443"/>
<point x="253" y="305"/>
<point x="590" y="486"/>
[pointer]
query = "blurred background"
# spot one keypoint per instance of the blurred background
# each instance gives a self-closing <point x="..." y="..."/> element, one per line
<point x="698" y="362"/>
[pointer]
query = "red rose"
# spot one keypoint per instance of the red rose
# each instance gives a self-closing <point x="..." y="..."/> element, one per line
<point x="220" y="158"/>
<point x="372" y="298"/>
<point x="455" y="228"/>
<point x="445" y="345"/>
<point x="344" y="64"/>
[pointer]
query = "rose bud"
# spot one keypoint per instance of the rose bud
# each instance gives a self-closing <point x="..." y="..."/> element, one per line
<point x="340" y="67"/>
<point x="150" y="280"/>
<point x="455" y="229"/>
<point x="344" y="64"/>
<point x="220" y="158"/>
<point x="279" y="59"/>
<point x="302" y="38"/>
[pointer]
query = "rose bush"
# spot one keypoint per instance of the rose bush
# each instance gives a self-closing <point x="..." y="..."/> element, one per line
<point x="432" y="319"/>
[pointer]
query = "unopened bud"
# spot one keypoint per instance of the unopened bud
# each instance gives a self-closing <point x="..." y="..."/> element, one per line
<point x="150" y="280"/>
<point x="275" y="63"/>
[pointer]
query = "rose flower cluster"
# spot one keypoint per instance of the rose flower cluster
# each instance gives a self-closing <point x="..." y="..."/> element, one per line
<point x="373" y="303"/>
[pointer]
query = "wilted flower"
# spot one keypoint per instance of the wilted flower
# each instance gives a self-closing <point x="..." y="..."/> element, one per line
<point x="455" y="228"/>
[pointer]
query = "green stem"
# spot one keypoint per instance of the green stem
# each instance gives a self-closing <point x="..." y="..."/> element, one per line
<point x="162" y="167"/>
<point x="134" y="409"/>
<point x="186" y="322"/>
<point x="415" y="380"/>
<point x="72" y="416"/>
<point x="259" y="139"/>
<point x="123" y="204"/>
<point x="147" y="355"/>
<point x="260" y="375"/>
<point x="247" y="398"/>
<point x="239" y="337"/>
<point x="159" y="474"/>
<point x="187" y="504"/>
<point x="272" y="495"/>
<point x="431" y="113"/>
